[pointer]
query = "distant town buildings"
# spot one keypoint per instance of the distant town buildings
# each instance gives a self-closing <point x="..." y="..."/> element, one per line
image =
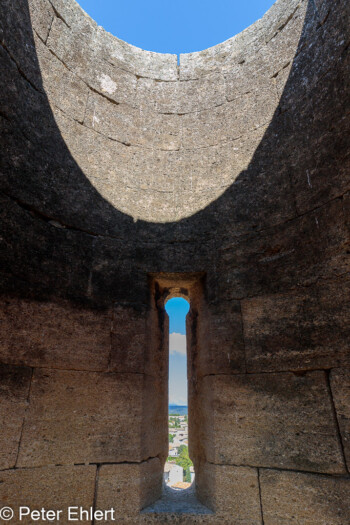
<point x="174" y="474"/>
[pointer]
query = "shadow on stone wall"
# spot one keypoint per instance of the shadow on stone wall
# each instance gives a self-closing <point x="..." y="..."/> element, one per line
<point x="62" y="239"/>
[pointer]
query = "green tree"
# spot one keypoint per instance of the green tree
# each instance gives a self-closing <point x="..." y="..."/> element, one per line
<point x="183" y="458"/>
<point x="171" y="438"/>
<point x="187" y="475"/>
<point x="174" y="422"/>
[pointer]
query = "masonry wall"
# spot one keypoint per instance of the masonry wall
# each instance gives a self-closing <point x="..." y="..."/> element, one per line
<point x="125" y="177"/>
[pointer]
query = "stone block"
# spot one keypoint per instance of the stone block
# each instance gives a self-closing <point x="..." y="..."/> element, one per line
<point x="130" y="125"/>
<point x="198" y="95"/>
<point x="221" y="345"/>
<point x="232" y="492"/>
<point x="51" y="488"/>
<point x="160" y="131"/>
<point x="299" y="330"/>
<point x="322" y="174"/>
<point x="60" y="258"/>
<point x="41" y="15"/>
<point x="57" y="335"/>
<point x="129" y="339"/>
<point x="273" y="420"/>
<point x="83" y="58"/>
<point x="75" y="18"/>
<point x="181" y="97"/>
<point x="236" y="121"/>
<point x="157" y="96"/>
<point x="129" y="488"/>
<point x="144" y="64"/>
<point x="286" y="37"/>
<point x="116" y="121"/>
<point x="295" y="498"/>
<point x="14" y="391"/>
<point x="139" y="345"/>
<point x="340" y="386"/>
<point x="63" y="89"/>
<point x="306" y="69"/>
<point x="87" y="417"/>
<point x="292" y="252"/>
<point x="17" y="40"/>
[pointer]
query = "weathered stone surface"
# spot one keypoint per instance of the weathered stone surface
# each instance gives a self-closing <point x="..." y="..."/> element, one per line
<point x="129" y="488"/>
<point x="105" y="412"/>
<point x="129" y="339"/>
<point x="236" y="121"/>
<point x="65" y="89"/>
<point x="133" y="125"/>
<point x="273" y="420"/>
<point x="51" y="488"/>
<point x="221" y="345"/>
<point x="232" y="492"/>
<point x="14" y="390"/>
<point x="79" y="55"/>
<point x="310" y="170"/>
<point x="183" y="96"/>
<point x="54" y="335"/>
<point x="314" y="324"/>
<point x="41" y="15"/>
<point x="296" y="253"/>
<point x="291" y="498"/>
<point x="340" y="386"/>
<point x="346" y="204"/>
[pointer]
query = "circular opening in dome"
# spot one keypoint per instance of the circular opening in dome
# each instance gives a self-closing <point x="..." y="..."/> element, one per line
<point x="178" y="26"/>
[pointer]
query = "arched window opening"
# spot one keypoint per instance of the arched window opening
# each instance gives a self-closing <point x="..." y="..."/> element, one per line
<point x="180" y="346"/>
<point x="178" y="470"/>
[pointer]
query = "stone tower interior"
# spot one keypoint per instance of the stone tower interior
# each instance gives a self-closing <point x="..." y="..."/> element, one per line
<point x="126" y="179"/>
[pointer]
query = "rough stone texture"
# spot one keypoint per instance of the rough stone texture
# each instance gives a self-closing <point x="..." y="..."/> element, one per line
<point x="232" y="492"/>
<point x="290" y="498"/>
<point x="55" y="488"/>
<point x="273" y="326"/>
<point x="221" y="344"/>
<point x="127" y="179"/>
<point x="69" y="92"/>
<point x="129" y="488"/>
<point x="106" y="412"/>
<point x="132" y="350"/>
<point x="278" y="420"/>
<point x="340" y="385"/>
<point x="42" y="15"/>
<point x="43" y="334"/>
<point x="14" y="390"/>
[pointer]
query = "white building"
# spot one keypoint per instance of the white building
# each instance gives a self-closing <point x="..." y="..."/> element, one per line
<point x="176" y="475"/>
<point x="173" y="474"/>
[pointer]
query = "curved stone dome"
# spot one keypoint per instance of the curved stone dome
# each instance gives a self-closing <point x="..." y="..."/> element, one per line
<point x="157" y="140"/>
<point x="108" y="140"/>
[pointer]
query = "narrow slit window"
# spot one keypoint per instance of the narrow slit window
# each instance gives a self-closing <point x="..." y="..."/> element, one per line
<point x="178" y="470"/>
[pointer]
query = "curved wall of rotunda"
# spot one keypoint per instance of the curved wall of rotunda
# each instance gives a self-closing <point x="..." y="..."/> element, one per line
<point x="126" y="179"/>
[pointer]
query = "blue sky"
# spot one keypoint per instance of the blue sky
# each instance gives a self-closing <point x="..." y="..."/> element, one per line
<point x="177" y="26"/>
<point x="177" y="309"/>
